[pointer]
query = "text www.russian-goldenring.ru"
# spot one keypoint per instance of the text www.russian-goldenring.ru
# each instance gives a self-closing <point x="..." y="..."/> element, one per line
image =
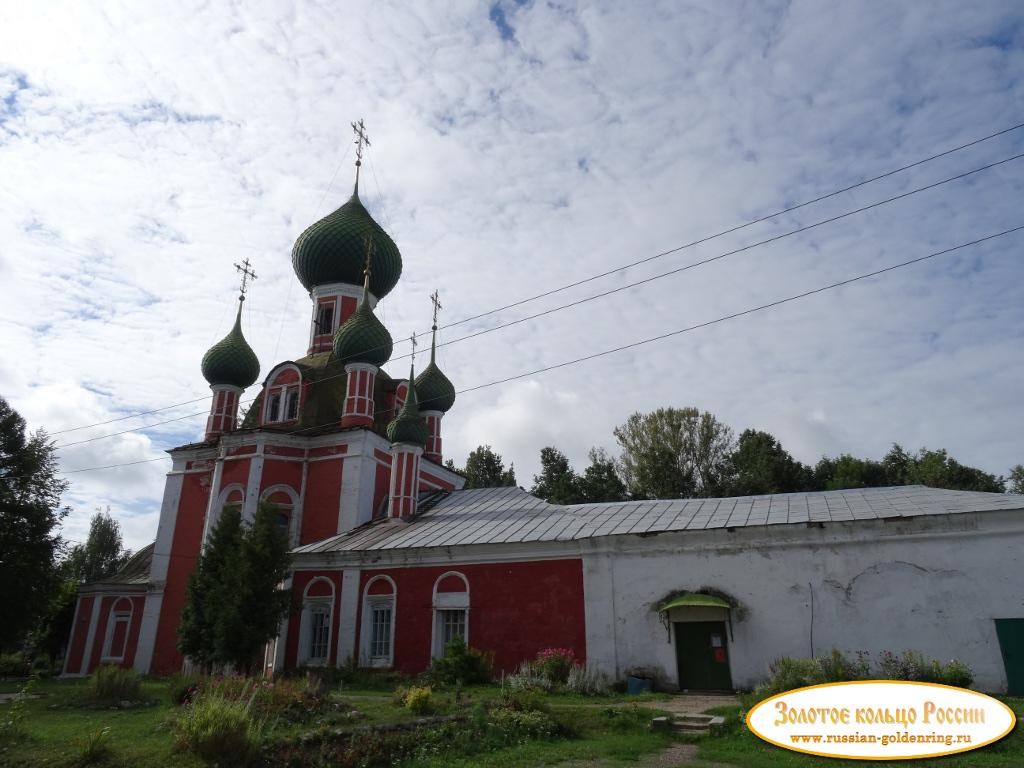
<point x="885" y="739"/>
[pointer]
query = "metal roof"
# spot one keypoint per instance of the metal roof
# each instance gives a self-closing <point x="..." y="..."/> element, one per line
<point x="505" y="515"/>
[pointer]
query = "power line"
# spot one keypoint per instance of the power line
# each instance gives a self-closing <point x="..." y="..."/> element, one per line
<point x="739" y="227"/>
<point x="726" y="254"/>
<point x="583" y="281"/>
<point x="659" y="337"/>
<point x="637" y="283"/>
<point x="129" y="416"/>
<point x="128" y="431"/>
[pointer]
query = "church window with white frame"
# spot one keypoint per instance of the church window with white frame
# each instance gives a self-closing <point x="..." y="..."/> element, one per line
<point x="116" y="641"/>
<point x="282" y="396"/>
<point x="451" y="611"/>
<point x="378" y="633"/>
<point x="315" y="629"/>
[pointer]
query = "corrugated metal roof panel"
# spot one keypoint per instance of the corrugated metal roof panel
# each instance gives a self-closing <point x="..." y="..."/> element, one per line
<point x="500" y="515"/>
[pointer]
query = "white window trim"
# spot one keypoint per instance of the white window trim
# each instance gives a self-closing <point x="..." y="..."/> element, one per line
<point x="306" y="623"/>
<point x="112" y="619"/>
<point x="270" y="389"/>
<point x="370" y="602"/>
<point x="294" y="514"/>
<point x="447" y="601"/>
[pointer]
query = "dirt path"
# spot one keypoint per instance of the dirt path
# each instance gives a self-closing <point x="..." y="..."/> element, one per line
<point x="692" y="703"/>
<point x="678" y="755"/>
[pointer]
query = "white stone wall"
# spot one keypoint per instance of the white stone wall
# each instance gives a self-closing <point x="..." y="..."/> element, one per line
<point x="933" y="584"/>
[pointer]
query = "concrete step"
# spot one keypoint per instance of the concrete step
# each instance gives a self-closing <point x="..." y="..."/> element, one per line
<point x="693" y="724"/>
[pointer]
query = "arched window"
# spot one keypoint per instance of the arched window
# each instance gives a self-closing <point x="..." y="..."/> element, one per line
<point x="378" y="630"/>
<point x="316" y="627"/>
<point x="281" y="401"/>
<point x="285" y="501"/>
<point x="232" y="496"/>
<point x="451" y="611"/>
<point x="116" y="640"/>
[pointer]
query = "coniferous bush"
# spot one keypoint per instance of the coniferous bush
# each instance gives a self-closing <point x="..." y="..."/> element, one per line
<point x="233" y="603"/>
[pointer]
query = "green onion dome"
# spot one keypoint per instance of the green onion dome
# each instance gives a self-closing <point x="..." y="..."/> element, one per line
<point x="231" y="360"/>
<point x="409" y="426"/>
<point x="333" y="250"/>
<point x="435" y="390"/>
<point x="363" y="338"/>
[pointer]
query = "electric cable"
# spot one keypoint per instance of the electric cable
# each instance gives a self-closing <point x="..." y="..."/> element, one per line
<point x="649" y="340"/>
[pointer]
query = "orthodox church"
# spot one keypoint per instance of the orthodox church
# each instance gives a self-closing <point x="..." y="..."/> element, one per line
<point x="391" y="559"/>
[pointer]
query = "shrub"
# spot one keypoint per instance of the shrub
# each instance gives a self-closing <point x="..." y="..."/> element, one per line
<point x="555" y="663"/>
<point x="523" y="701"/>
<point x="280" y="697"/>
<point x="13" y="665"/>
<point x="913" y="666"/>
<point x="115" y="684"/>
<point x="517" y="725"/>
<point x="957" y="673"/>
<point x="182" y="689"/>
<point x="461" y="663"/>
<point x="528" y="677"/>
<point x="836" y="668"/>
<point x="787" y="674"/>
<point x="420" y="700"/>
<point x="218" y="730"/>
<point x="13" y="713"/>
<point x="585" y="682"/>
<point x="94" y="747"/>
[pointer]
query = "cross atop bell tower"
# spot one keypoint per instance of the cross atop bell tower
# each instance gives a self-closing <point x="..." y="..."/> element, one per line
<point x="362" y="141"/>
<point x="247" y="274"/>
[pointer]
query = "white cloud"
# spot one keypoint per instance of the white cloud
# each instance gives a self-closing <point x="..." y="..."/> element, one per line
<point x="146" y="149"/>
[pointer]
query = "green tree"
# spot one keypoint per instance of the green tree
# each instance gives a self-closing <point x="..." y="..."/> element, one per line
<point x="674" y="453"/>
<point x="263" y="603"/>
<point x="100" y="557"/>
<point x="761" y="465"/>
<point x="30" y="517"/>
<point x="1016" y="483"/>
<point x="940" y="470"/>
<point x="103" y="553"/>
<point x="557" y="482"/>
<point x="234" y="603"/>
<point x="212" y="587"/>
<point x="485" y="469"/>
<point x="846" y="471"/>
<point x="600" y="482"/>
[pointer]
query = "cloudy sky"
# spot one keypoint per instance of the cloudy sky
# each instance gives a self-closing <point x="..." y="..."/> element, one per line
<point x="518" y="147"/>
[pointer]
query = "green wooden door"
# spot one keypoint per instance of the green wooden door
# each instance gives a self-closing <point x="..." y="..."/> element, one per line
<point x="702" y="652"/>
<point x="1011" y="642"/>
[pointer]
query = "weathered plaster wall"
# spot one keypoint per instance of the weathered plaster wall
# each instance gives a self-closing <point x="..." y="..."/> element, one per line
<point x="931" y="584"/>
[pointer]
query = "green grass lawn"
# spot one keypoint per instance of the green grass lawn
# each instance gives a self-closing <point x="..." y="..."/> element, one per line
<point x="55" y="730"/>
<point x="741" y="748"/>
<point x="57" y="727"/>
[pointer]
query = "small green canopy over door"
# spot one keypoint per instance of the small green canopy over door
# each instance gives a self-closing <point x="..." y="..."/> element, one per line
<point x="1011" y="642"/>
<point x="694" y="600"/>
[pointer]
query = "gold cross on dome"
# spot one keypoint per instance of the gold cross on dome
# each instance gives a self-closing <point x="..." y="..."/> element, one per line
<point x="247" y="273"/>
<point x="362" y="139"/>
<point x="436" y="299"/>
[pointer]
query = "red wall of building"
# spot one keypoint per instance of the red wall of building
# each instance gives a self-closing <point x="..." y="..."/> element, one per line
<point x="106" y="606"/>
<point x="188" y="535"/>
<point x="299" y="583"/>
<point x="79" y="634"/>
<point x="516" y="610"/>
<point x="323" y="497"/>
